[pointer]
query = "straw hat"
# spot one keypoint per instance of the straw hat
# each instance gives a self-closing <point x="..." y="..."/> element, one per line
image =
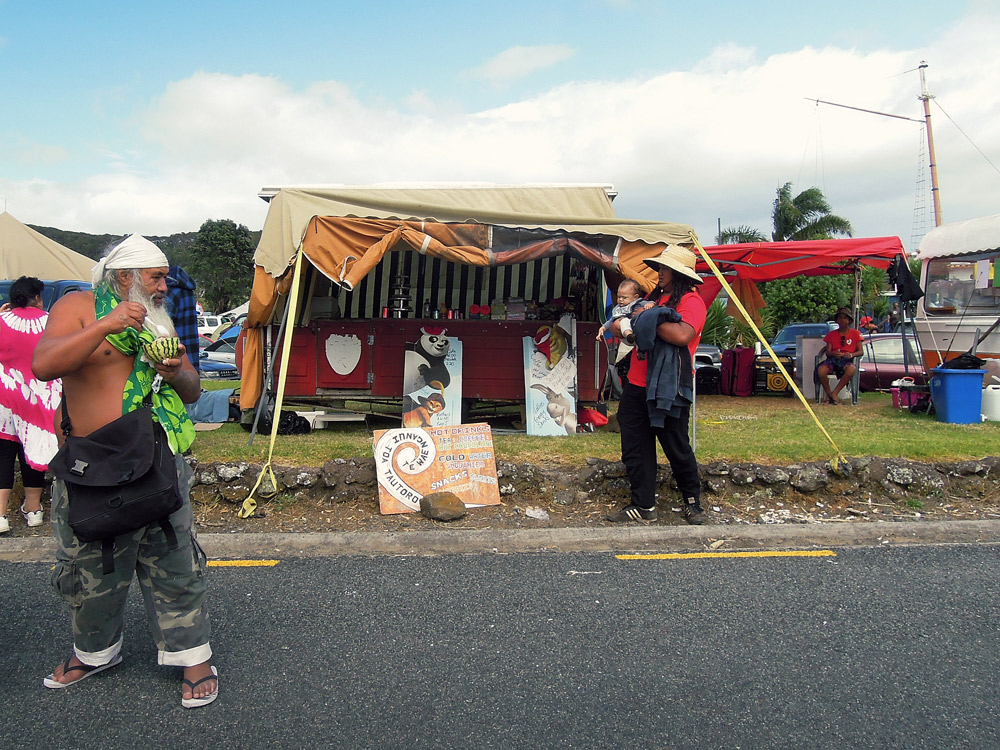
<point x="677" y="259"/>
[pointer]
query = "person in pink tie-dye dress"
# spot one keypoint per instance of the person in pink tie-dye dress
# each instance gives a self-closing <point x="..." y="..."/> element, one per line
<point x="27" y="404"/>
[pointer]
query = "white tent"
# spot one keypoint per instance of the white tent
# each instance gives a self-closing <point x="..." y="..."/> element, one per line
<point x="25" y="252"/>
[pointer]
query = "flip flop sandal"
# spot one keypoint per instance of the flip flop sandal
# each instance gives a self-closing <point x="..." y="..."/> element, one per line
<point x="204" y="701"/>
<point x="52" y="682"/>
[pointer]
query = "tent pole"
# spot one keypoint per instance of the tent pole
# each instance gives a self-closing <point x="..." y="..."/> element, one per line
<point x="267" y="377"/>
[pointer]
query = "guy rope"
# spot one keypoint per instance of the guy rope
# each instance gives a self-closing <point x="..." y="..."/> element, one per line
<point x="838" y="457"/>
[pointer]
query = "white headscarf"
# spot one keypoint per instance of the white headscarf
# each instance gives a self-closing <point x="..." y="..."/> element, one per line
<point x="134" y="251"/>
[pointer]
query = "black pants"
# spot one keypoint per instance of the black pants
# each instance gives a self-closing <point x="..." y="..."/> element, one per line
<point x="639" y="440"/>
<point x="9" y="451"/>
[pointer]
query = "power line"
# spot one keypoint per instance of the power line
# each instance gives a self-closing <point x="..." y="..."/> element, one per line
<point x="988" y="161"/>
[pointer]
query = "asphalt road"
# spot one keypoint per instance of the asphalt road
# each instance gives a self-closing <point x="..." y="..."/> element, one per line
<point x="879" y="647"/>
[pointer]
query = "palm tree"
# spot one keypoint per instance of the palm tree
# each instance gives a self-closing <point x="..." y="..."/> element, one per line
<point x="739" y="235"/>
<point x="805" y="217"/>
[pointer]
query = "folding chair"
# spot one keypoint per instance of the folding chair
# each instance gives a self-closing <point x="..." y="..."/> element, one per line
<point x="853" y="386"/>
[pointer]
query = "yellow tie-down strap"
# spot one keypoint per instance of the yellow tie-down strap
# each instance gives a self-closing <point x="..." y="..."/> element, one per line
<point x="269" y="488"/>
<point x="838" y="457"/>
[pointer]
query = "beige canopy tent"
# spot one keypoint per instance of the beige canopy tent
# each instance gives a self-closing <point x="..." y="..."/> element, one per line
<point x="25" y="252"/>
<point x="345" y="233"/>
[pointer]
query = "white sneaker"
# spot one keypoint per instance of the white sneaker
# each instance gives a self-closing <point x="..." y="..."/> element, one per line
<point x="4" y="525"/>
<point x="34" y="517"/>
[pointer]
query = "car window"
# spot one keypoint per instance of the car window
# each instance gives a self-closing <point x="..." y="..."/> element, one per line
<point x="221" y="346"/>
<point x="889" y="351"/>
<point x="788" y="334"/>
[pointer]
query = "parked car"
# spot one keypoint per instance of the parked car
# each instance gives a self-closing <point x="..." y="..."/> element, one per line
<point x="882" y="361"/>
<point x="223" y="350"/>
<point x="212" y="369"/>
<point x="208" y="323"/>
<point x="708" y="355"/>
<point x="784" y="343"/>
<point x="53" y="290"/>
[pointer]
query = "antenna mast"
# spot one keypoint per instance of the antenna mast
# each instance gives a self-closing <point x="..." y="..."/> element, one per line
<point x="925" y="97"/>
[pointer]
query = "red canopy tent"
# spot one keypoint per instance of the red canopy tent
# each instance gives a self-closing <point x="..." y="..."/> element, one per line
<point x="768" y="261"/>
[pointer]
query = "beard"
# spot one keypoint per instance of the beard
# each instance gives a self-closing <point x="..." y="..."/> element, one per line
<point x="157" y="316"/>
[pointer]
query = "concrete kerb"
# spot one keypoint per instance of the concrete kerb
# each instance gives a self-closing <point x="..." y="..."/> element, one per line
<point x="617" y="539"/>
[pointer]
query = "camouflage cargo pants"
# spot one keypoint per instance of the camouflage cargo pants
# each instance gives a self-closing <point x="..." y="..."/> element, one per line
<point x="172" y="582"/>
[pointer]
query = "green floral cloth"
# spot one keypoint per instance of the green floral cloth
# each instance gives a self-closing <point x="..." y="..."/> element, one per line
<point x="168" y="409"/>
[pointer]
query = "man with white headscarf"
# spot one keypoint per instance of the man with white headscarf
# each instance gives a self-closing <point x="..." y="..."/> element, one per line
<point x="94" y="342"/>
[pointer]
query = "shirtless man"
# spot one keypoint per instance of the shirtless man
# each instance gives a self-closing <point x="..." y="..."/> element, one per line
<point x="93" y="342"/>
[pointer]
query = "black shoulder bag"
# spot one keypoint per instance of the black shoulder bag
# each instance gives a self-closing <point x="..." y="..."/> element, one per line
<point x="119" y="478"/>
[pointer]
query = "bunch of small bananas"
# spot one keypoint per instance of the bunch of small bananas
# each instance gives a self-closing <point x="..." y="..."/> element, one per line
<point x="163" y="348"/>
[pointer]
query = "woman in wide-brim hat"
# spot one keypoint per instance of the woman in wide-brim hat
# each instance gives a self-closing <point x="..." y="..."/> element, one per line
<point x="677" y="259"/>
<point x="677" y="278"/>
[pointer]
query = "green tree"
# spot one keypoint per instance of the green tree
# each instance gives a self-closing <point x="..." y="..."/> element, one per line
<point x="805" y="216"/>
<point x="739" y="235"/>
<point x="807" y="299"/>
<point x="220" y="260"/>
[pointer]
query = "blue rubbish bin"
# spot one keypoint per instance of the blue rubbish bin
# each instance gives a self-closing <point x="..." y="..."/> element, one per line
<point x="957" y="395"/>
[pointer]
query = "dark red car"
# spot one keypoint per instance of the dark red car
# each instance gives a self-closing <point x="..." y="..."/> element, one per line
<point x="883" y="361"/>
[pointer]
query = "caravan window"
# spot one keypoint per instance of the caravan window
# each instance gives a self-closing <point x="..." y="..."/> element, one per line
<point x="970" y="283"/>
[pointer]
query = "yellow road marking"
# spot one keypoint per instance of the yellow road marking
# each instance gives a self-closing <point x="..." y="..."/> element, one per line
<point x="243" y="563"/>
<point x="702" y="555"/>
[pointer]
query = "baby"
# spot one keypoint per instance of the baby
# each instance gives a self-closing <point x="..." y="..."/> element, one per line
<point x="629" y="300"/>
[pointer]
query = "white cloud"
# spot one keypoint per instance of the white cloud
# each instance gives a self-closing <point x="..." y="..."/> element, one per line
<point x="691" y="146"/>
<point x="18" y="150"/>
<point x="518" y="62"/>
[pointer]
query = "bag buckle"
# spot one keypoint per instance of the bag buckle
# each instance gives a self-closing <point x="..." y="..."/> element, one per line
<point x="79" y="467"/>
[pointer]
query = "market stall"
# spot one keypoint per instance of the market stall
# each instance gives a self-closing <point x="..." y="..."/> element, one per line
<point x="491" y="264"/>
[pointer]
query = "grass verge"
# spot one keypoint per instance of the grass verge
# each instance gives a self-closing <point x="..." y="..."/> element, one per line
<point x="760" y="429"/>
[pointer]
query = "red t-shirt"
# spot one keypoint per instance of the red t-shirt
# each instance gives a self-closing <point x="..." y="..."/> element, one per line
<point x="838" y="343"/>
<point x="692" y="311"/>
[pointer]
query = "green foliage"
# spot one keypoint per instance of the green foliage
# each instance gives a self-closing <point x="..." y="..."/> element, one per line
<point x="725" y="331"/>
<point x="807" y="299"/>
<point x="97" y="245"/>
<point x="739" y="235"/>
<point x="805" y="216"/>
<point x="221" y="262"/>
<point x="741" y="334"/>
<point x="717" y="324"/>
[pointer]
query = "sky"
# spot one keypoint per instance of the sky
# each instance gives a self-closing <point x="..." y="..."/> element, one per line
<point x="155" y="117"/>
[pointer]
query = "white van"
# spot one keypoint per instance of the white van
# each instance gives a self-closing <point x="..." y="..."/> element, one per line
<point x="207" y="324"/>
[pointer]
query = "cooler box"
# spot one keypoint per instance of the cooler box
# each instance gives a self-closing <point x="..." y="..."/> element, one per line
<point x="957" y="395"/>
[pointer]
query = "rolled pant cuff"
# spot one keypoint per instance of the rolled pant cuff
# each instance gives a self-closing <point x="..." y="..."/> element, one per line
<point x="98" y="658"/>
<point x="188" y="658"/>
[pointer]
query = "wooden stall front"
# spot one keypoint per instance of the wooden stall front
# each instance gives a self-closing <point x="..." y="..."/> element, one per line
<point x="492" y="363"/>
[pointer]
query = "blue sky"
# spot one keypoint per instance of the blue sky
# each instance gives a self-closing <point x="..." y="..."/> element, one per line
<point x="124" y="117"/>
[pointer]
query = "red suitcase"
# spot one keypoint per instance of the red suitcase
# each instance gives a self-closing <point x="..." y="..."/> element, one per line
<point x="737" y="372"/>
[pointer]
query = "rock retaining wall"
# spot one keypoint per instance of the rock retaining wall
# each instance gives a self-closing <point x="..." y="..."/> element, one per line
<point x="859" y="479"/>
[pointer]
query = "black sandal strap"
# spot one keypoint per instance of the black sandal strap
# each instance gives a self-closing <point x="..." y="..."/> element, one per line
<point x="196" y="683"/>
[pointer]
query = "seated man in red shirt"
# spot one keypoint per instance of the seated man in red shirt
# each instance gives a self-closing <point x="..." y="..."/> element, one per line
<point x="843" y="346"/>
